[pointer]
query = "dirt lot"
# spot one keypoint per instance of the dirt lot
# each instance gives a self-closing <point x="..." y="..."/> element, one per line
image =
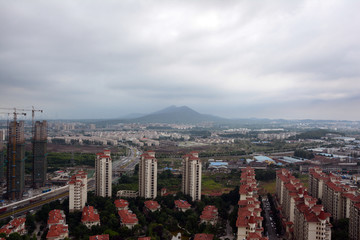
<point x="74" y="148"/>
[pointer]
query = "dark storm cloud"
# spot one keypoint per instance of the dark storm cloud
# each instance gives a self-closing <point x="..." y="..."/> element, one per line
<point x="236" y="58"/>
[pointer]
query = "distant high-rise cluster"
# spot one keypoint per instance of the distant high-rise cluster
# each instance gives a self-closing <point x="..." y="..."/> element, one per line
<point x="39" y="154"/>
<point x="148" y="175"/>
<point x="191" y="175"/>
<point x="103" y="174"/>
<point x="16" y="160"/>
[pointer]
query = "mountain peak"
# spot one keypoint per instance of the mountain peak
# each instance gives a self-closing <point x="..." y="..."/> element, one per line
<point x="174" y="114"/>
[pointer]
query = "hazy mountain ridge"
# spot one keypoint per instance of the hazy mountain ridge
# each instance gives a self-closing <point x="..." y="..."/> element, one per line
<point x="174" y="114"/>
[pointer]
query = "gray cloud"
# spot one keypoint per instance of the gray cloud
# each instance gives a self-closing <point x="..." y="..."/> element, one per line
<point x="234" y="58"/>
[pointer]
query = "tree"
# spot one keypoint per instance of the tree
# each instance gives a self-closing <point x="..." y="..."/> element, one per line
<point x="14" y="236"/>
<point x="30" y="223"/>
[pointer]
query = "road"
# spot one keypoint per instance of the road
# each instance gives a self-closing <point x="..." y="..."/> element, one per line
<point x="125" y="164"/>
<point x="271" y="230"/>
<point x="25" y="206"/>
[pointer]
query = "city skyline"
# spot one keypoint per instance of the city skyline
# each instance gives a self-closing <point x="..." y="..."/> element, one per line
<point x="89" y="60"/>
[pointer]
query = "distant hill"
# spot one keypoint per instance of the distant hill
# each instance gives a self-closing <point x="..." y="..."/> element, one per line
<point x="174" y="114"/>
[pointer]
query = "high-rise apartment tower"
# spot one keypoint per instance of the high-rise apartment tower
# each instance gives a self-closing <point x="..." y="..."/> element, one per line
<point x="103" y="174"/>
<point x="39" y="154"/>
<point x="191" y="175"/>
<point x="78" y="191"/>
<point x="148" y="175"/>
<point x="16" y="160"/>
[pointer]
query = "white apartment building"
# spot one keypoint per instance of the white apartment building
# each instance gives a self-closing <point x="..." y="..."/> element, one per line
<point x="78" y="191"/>
<point x="191" y="175"/>
<point x="103" y="174"/>
<point x="148" y="175"/>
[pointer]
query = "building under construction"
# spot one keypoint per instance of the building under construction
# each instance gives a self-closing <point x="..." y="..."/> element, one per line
<point x="16" y="160"/>
<point x="39" y="154"/>
<point x="2" y="158"/>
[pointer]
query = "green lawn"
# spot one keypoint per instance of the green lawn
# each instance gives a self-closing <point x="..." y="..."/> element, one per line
<point x="269" y="187"/>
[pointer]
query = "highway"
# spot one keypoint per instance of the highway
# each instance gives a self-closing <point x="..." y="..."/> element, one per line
<point x="126" y="164"/>
<point x="21" y="207"/>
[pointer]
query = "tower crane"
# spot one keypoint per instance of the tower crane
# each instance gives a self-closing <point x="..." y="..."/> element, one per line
<point x="16" y="112"/>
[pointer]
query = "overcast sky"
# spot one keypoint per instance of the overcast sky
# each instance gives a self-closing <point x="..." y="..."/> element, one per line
<point x="98" y="59"/>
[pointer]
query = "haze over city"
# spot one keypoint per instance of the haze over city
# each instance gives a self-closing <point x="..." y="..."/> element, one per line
<point x="235" y="59"/>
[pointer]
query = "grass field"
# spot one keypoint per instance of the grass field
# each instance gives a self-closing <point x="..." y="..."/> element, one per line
<point x="304" y="179"/>
<point x="209" y="184"/>
<point x="269" y="187"/>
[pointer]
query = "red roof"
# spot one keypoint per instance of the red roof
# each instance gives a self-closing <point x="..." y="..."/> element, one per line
<point x="203" y="236"/>
<point x="121" y="203"/>
<point x="100" y="237"/>
<point x="89" y="215"/>
<point x="182" y="204"/>
<point x="55" y="216"/>
<point x="357" y="206"/>
<point x="144" y="238"/>
<point x="13" y="224"/>
<point x="127" y="217"/>
<point x="152" y="205"/>
<point x="210" y="212"/>
<point x="57" y="230"/>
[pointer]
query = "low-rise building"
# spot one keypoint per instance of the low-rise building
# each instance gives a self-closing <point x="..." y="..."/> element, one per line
<point x="151" y="206"/>
<point x="182" y="205"/>
<point x="16" y="225"/>
<point x="204" y="236"/>
<point x="209" y="215"/>
<point x="144" y="238"/>
<point x="100" y="237"/>
<point x="56" y="216"/>
<point x="90" y="217"/>
<point x="127" y="218"/>
<point x="57" y="232"/>
<point x="121" y="204"/>
<point x="127" y="194"/>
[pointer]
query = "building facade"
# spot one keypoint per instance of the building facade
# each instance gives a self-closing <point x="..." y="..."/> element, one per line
<point x="249" y="219"/>
<point x="191" y="175"/>
<point x="303" y="217"/>
<point x="39" y="154"/>
<point x="103" y="174"/>
<point x="148" y="175"/>
<point x="354" y="221"/>
<point x="16" y="161"/>
<point x="78" y="191"/>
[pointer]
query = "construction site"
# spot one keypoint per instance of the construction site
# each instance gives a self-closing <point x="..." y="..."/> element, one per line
<point x="13" y="157"/>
